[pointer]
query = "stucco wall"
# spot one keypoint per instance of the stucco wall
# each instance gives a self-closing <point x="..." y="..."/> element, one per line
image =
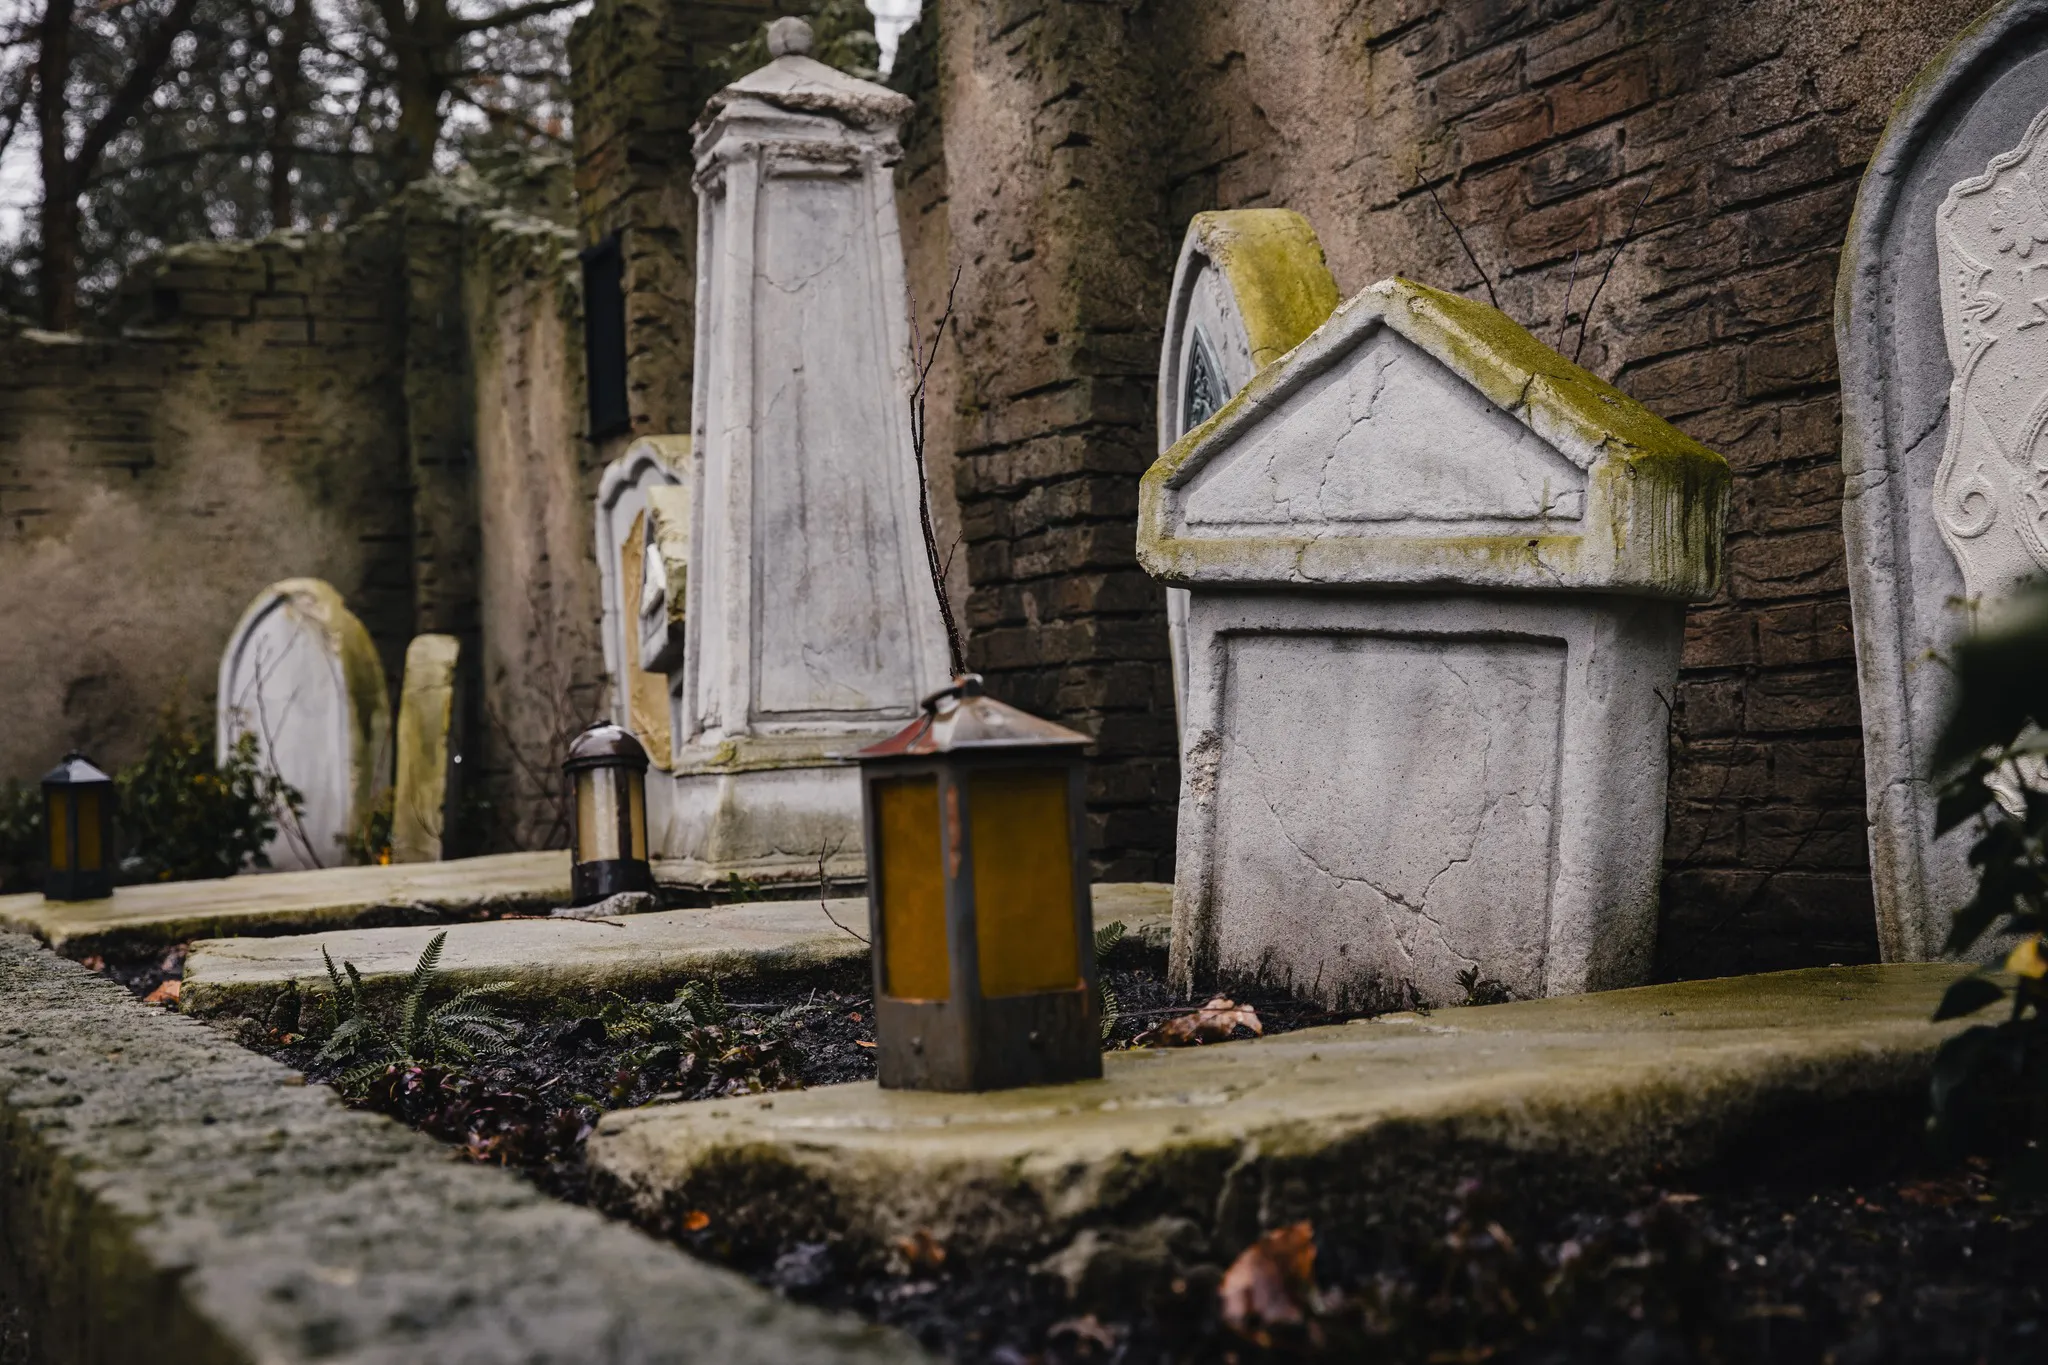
<point x="248" y="428"/>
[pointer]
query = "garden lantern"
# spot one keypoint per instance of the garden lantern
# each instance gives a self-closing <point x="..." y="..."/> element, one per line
<point x="78" y="814"/>
<point x="978" y="906"/>
<point x="608" y="769"/>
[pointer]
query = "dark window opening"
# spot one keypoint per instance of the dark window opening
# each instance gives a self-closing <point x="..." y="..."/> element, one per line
<point x="604" y="337"/>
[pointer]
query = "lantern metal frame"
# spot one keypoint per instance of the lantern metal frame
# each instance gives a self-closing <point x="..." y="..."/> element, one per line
<point x="606" y="744"/>
<point x="970" y="1040"/>
<point x="65" y="787"/>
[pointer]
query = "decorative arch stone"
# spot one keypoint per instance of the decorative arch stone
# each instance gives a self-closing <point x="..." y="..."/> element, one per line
<point x="1931" y="320"/>
<point x="628" y="497"/>
<point x="1249" y="286"/>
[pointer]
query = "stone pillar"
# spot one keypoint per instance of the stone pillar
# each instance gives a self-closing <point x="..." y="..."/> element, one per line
<point x="811" y="625"/>
<point x="428" y="792"/>
<point x="1437" y="581"/>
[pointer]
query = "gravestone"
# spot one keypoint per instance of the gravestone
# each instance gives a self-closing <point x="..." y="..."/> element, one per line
<point x="301" y="675"/>
<point x="1944" y="353"/>
<point x="1437" y="580"/>
<point x="425" y="797"/>
<point x="810" y="626"/>
<point x="633" y="493"/>
<point x="1249" y="286"/>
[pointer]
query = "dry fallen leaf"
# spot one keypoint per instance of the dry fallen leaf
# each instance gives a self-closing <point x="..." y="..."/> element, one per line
<point x="696" y="1220"/>
<point x="1271" y="1283"/>
<point x="862" y="1042"/>
<point x="1212" y="1023"/>
<point x="1088" y="1330"/>
<point x="166" y="994"/>
<point x="93" y="962"/>
<point x="922" y="1250"/>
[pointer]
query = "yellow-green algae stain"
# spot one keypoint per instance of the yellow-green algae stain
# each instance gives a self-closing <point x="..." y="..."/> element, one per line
<point x="1277" y="275"/>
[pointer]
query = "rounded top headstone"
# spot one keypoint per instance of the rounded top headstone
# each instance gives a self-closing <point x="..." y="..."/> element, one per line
<point x="788" y="35"/>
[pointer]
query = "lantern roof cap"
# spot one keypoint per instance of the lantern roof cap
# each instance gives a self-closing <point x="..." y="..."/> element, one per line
<point x="605" y="744"/>
<point x="76" y="770"/>
<point x="962" y="718"/>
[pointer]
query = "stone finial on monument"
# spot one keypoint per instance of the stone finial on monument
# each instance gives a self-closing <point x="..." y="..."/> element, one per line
<point x="1939" y="325"/>
<point x="424" y="799"/>
<point x="301" y="675"/>
<point x="810" y="629"/>
<point x="1437" y="578"/>
<point x="630" y="497"/>
<point x="1251" y="284"/>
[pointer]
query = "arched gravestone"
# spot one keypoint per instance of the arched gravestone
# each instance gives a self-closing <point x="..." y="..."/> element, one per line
<point x="1942" y="328"/>
<point x="635" y="491"/>
<point x="301" y="674"/>
<point x="1250" y="284"/>
<point x="1437" y="577"/>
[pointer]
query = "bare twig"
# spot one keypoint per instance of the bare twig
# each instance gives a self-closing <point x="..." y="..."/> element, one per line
<point x="1564" y="320"/>
<point x="822" y="886"/>
<point x="1459" y="233"/>
<point x="923" y="358"/>
<point x="1627" y="235"/>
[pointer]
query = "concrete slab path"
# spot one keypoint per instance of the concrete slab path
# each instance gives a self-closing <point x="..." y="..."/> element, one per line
<point x="632" y="954"/>
<point x="1354" y="1122"/>
<point x="140" y="918"/>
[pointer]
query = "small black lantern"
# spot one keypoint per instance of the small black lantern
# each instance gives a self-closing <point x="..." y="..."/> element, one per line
<point x="78" y="820"/>
<point x="608" y="769"/>
<point x="978" y="901"/>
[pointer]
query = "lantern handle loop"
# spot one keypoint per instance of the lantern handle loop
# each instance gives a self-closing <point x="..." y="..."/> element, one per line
<point x="966" y="685"/>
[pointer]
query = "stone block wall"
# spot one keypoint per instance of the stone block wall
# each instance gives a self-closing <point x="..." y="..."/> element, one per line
<point x="248" y="426"/>
<point x="1079" y="138"/>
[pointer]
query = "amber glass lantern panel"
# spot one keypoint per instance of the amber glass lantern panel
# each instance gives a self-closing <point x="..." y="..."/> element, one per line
<point x="636" y="814"/>
<point x="915" y="963"/>
<point x="597" y="815"/>
<point x="1023" y="881"/>
<point x="57" y="812"/>
<point x="89" y="853"/>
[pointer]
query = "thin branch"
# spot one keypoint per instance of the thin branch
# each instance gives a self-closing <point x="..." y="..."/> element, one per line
<point x="184" y="154"/>
<point x="924" y="358"/>
<point x="822" y="884"/>
<point x="1459" y="233"/>
<point x="1564" y="320"/>
<point x="136" y="90"/>
<point x="531" y="128"/>
<point x="1627" y="235"/>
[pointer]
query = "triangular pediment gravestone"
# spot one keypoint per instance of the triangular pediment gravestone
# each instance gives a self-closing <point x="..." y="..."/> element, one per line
<point x="1436" y="578"/>
<point x="1420" y="437"/>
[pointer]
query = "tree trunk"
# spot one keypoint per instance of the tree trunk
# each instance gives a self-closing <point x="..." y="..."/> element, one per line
<point x="57" y="224"/>
<point x="421" y="48"/>
<point x="287" y="93"/>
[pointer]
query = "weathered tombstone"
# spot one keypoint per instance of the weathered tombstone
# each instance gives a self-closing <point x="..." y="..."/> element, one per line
<point x="1250" y="285"/>
<point x="301" y="675"/>
<point x="1438" y="577"/>
<point x="810" y="627"/>
<point x="1944" y="355"/>
<point x="424" y="799"/>
<point x="635" y="491"/>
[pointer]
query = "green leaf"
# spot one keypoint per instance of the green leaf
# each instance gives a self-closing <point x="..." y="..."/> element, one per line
<point x="1967" y="996"/>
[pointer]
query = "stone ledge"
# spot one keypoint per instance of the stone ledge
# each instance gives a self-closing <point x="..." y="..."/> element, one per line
<point x="1364" y="1124"/>
<point x="172" y="1196"/>
<point x="635" y="955"/>
<point x="143" y="918"/>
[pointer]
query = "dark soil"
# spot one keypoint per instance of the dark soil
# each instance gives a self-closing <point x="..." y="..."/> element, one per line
<point x="1907" y="1263"/>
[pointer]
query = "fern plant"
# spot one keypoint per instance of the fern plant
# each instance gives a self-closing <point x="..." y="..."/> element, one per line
<point x="697" y="1039"/>
<point x="462" y="1029"/>
<point x="1106" y="940"/>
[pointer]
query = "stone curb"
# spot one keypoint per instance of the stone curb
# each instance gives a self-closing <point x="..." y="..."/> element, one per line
<point x="633" y="955"/>
<point x="1369" y="1124"/>
<point x="171" y="1196"/>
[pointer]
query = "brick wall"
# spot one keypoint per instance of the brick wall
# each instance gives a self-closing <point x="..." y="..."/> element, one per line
<point x="248" y="427"/>
<point x="1078" y="140"/>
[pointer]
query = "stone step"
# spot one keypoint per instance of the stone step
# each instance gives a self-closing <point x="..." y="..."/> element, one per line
<point x="142" y="918"/>
<point x="172" y="1196"/>
<point x="648" y="954"/>
<point x="1360" y="1121"/>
